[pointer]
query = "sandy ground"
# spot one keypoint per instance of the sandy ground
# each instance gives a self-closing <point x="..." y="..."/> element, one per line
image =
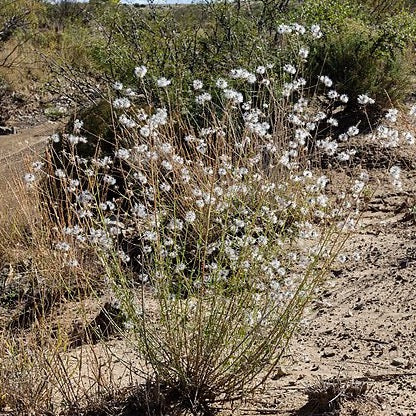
<point x="363" y="325"/>
<point x="16" y="151"/>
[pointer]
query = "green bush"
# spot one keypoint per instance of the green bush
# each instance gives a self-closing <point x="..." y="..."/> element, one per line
<point x="365" y="49"/>
<point x="363" y="52"/>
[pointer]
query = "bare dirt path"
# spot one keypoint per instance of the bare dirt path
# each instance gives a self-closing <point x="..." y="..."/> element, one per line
<point x="16" y="151"/>
<point x="26" y="139"/>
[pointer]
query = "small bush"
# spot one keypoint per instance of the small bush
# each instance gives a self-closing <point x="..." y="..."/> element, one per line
<point x="204" y="228"/>
<point x="329" y="395"/>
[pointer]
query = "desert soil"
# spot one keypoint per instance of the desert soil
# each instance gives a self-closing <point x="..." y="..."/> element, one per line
<point x="362" y="327"/>
<point x="16" y="152"/>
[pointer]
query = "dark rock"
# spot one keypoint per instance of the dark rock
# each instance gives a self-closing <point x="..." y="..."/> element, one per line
<point x="398" y="362"/>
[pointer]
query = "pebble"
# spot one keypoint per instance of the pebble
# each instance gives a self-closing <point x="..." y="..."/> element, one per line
<point x="398" y="362"/>
<point x="328" y="354"/>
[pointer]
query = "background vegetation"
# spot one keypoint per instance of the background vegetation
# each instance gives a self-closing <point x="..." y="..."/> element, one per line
<point x="369" y="46"/>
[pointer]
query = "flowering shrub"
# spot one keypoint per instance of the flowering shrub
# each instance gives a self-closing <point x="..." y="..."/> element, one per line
<point x="213" y="233"/>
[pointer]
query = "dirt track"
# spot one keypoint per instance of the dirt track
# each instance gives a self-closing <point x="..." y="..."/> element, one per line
<point x="15" y="152"/>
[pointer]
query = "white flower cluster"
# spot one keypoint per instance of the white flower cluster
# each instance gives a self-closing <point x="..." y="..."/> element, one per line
<point x="239" y="190"/>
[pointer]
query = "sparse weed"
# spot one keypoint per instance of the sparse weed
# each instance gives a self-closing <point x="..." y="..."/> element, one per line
<point x="328" y="395"/>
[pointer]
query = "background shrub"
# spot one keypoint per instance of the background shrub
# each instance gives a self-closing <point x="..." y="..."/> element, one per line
<point x="364" y="51"/>
<point x="367" y="48"/>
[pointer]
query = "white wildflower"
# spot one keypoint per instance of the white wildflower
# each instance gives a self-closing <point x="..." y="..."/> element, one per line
<point x="300" y="29"/>
<point x="163" y="82"/>
<point x="129" y="92"/>
<point x="290" y="69"/>
<point x="284" y="29"/>
<point x="221" y="83"/>
<point x="121" y="103"/>
<point x="395" y="172"/>
<point x="344" y="98"/>
<point x="364" y="99"/>
<point x="197" y="84"/>
<point x="175" y="225"/>
<point x="190" y="217"/>
<point x="357" y="187"/>
<point x="145" y="131"/>
<point x="62" y="246"/>
<point x="72" y="263"/>
<point x="74" y="140"/>
<point x="392" y="115"/>
<point x="353" y="131"/>
<point x="316" y="31"/>
<point x="125" y="258"/>
<point x="37" y="166"/>
<point x="165" y="187"/>
<point x="59" y="173"/>
<point x="203" y="98"/>
<point x="409" y="138"/>
<point x="332" y="121"/>
<point x="140" y="71"/>
<point x="110" y="180"/>
<point x="122" y="153"/>
<point x="159" y="118"/>
<point x="127" y="122"/>
<point x="202" y="147"/>
<point x="325" y="80"/>
<point x="235" y="96"/>
<point x="55" y="138"/>
<point x="167" y="165"/>
<point x="332" y="94"/>
<point x="29" y="178"/>
<point x="180" y="267"/>
<point x="303" y="52"/>
<point x="77" y="126"/>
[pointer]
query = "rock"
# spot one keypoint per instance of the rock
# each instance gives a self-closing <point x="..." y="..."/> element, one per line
<point x="398" y="362"/>
<point x="328" y="354"/>
<point x="279" y="373"/>
<point x="106" y="323"/>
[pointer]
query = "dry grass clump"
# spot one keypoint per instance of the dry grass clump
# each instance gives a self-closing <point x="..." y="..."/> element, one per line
<point x="328" y="395"/>
<point x="25" y="387"/>
<point x="37" y="285"/>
